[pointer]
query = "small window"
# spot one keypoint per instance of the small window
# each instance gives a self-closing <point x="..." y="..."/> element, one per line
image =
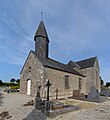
<point x="66" y="82"/>
<point x="29" y="68"/>
<point x="80" y="83"/>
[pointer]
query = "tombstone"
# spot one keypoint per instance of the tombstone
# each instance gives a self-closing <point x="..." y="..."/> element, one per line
<point x="47" y="103"/>
<point x="48" y="86"/>
<point x="105" y="92"/>
<point x="45" y="93"/>
<point x="77" y="94"/>
<point x="56" y="93"/>
<point x="94" y="95"/>
<point x="38" y="100"/>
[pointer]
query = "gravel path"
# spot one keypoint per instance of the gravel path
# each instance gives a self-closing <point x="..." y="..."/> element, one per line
<point x="12" y="109"/>
<point x="13" y="103"/>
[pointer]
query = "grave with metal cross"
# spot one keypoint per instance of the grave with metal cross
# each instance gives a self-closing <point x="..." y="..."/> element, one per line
<point x="47" y="103"/>
<point x="56" y="93"/>
<point x="48" y="86"/>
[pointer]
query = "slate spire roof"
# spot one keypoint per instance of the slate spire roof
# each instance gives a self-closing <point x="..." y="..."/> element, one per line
<point x="41" y="31"/>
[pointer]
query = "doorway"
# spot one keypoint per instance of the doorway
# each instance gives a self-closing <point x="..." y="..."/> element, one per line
<point x="28" y="87"/>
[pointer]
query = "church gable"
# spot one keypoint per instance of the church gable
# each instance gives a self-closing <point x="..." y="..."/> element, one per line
<point x="30" y="60"/>
<point x="96" y="65"/>
<point x="86" y="63"/>
<point x="33" y="71"/>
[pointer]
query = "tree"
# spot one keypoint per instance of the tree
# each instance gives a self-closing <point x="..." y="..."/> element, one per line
<point x="107" y="84"/>
<point x="18" y="81"/>
<point x="12" y="80"/>
<point x="101" y="81"/>
<point x="1" y="83"/>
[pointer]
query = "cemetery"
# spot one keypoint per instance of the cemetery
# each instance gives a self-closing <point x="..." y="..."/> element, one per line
<point x="55" y="107"/>
<point x="28" y="107"/>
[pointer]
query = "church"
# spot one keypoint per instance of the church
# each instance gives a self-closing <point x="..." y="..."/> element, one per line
<point x="66" y="78"/>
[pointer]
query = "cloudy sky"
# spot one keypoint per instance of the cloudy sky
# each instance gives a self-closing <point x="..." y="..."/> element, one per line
<point x="77" y="29"/>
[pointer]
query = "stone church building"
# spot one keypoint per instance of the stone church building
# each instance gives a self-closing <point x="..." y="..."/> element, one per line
<point x="39" y="68"/>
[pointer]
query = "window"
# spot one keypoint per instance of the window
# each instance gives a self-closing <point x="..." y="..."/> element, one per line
<point x="80" y="83"/>
<point x="66" y="82"/>
<point x="29" y="68"/>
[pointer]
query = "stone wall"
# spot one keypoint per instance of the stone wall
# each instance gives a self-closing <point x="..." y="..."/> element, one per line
<point x="57" y="79"/>
<point x="97" y="75"/>
<point x="32" y="70"/>
<point x="92" y="77"/>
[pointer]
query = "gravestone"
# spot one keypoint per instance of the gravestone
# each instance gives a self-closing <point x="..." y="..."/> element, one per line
<point x="94" y="95"/>
<point x="105" y="92"/>
<point x="56" y="93"/>
<point x="48" y="86"/>
<point x="47" y="102"/>
<point x="38" y="100"/>
<point x="77" y="94"/>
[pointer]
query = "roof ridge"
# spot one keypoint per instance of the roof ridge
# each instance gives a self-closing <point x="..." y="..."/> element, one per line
<point x="86" y="59"/>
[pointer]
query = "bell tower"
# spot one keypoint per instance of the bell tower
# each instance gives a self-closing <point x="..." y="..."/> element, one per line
<point x="41" y="41"/>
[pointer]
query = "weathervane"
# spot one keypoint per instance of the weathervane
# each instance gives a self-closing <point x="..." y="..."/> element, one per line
<point x="41" y="15"/>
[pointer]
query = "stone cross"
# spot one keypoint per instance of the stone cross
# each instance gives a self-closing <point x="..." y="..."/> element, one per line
<point x="38" y="89"/>
<point x="56" y="93"/>
<point x="48" y="85"/>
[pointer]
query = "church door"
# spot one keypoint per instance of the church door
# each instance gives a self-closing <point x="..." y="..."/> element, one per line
<point x="29" y="87"/>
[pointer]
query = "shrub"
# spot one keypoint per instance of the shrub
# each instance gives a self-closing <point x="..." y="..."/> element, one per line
<point x="101" y="94"/>
<point x="14" y="87"/>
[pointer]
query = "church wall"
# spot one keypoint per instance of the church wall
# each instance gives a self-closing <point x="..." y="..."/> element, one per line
<point x="32" y="70"/>
<point x="97" y="75"/>
<point x="57" y="79"/>
<point x="89" y="73"/>
<point x="91" y="78"/>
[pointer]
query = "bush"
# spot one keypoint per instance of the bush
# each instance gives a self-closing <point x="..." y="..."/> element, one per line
<point x="9" y="84"/>
<point x="101" y="94"/>
<point x="14" y="87"/>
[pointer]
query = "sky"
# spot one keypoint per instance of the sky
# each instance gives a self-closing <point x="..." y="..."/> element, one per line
<point x="77" y="29"/>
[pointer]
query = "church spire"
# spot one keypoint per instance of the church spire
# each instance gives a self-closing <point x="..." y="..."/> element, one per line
<point x="41" y="31"/>
<point x="41" y="41"/>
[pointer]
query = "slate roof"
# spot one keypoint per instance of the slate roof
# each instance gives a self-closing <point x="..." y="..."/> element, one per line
<point x="57" y="65"/>
<point x="41" y="31"/>
<point x="73" y="64"/>
<point x="87" y="62"/>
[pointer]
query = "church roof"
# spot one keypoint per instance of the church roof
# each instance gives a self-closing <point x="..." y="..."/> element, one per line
<point x="57" y="65"/>
<point x="73" y="64"/>
<point x="87" y="62"/>
<point x="41" y="31"/>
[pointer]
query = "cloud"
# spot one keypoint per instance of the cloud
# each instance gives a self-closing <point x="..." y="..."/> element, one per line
<point x="77" y="29"/>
